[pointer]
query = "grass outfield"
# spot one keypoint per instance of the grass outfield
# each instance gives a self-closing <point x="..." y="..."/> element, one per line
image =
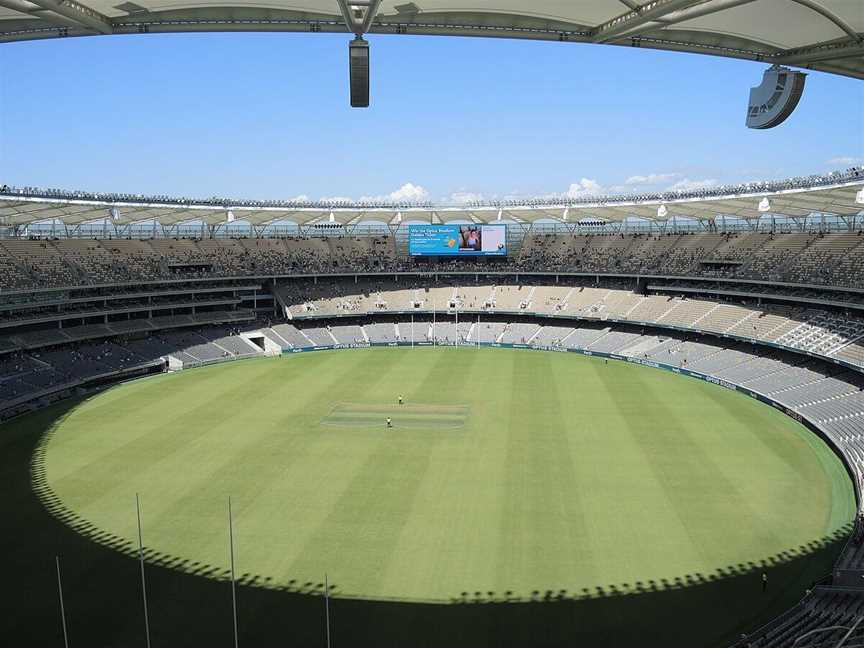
<point x="513" y="472"/>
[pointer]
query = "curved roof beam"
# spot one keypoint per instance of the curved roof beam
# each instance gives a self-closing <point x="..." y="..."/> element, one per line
<point x="78" y="13"/>
<point x="830" y="15"/>
<point x="34" y="10"/>
<point x="644" y="14"/>
<point x="835" y="51"/>
<point x="697" y="12"/>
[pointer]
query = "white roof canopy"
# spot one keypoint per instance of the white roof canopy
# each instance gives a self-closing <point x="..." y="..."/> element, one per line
<point x="817" y="34"/>
<point x="838" y="199"/>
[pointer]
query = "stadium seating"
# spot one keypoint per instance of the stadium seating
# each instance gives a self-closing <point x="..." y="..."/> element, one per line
<point x="837" y="612"/>
<point x="831" y="259"/>
<point x="76" y="314"/>
<point x="812" y="330"/>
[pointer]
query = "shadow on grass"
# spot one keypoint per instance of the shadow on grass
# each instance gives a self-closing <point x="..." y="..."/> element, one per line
<point x="190" y="603"/>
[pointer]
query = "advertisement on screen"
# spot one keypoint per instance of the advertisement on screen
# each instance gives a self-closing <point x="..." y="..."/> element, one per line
<point x="457" y="240"/>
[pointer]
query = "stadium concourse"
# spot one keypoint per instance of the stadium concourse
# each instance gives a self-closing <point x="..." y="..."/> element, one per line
<point x="773" y="307"/>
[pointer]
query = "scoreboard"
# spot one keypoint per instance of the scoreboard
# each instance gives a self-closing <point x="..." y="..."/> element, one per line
<point x="457" y="240"/>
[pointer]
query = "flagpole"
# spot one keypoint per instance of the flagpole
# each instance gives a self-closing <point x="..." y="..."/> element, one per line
<point x="412" y="330"/>
<point x="457" y="324"/>
<point x="143" y="580"/>
<point x="434" y="339"/>
<point x="327" y="607"/>
<point x="62" y="606"/>
<point x="233" y="582"/>
<point x="478" y="330"/>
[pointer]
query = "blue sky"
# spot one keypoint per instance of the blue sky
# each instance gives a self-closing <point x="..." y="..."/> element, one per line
<point x="267" y="116"/>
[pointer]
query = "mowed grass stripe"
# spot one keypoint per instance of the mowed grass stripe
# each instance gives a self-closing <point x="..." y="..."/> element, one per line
<point x="187" y="460"/>
<point x="785" y="445"/>
<point x="372" y="510"/>
<point x="610" y="462"/>
<point x="714" y="492"/>
<point x="324" y="476"/>
<point x="160" y="402"/>
<point x="567" y="473"/>
<point x="269" y="447"/>
<point x="178" y="446"/>
<point x="545" y="514"/>
<point x="664" y="479"/>
<point x="143" y="442"/>
<point x="454" y="507"/>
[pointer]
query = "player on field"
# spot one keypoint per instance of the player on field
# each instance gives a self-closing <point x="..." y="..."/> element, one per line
<point x="389" y="422"/>
<point x="400" y="399"/>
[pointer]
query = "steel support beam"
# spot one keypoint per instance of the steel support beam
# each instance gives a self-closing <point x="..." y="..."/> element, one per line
<point x="689" y="14"/>
<point x="829" y="15"/>
<point x="33" y="9"/>
<point x="80" y="14"/>
<point x="359" y="25"/>
<point x="850" y="48"/>
<point x="644" y="14"/>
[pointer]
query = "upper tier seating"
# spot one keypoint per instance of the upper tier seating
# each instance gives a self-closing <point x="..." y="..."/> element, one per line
<point x="835" y="259"/>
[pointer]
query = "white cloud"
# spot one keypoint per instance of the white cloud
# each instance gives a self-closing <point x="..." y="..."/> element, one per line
<point x="585" y="187"/>
<point x="463" y="197"/>
<point x="408" y="192"/>
<point x="651" y="178"/>
<point x="686" y="184"/>
<point x="300" y="199"/>
<point x="844" y="160"/>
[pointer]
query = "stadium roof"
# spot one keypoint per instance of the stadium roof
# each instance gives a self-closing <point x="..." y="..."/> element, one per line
<point x="844" y="196"/>
<point x="822" y="35"/>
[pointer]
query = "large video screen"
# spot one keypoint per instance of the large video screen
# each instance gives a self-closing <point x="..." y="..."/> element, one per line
<point x="457" y="240"/>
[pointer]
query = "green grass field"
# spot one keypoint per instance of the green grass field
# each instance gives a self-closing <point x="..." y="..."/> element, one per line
<point x="506" y="472"/>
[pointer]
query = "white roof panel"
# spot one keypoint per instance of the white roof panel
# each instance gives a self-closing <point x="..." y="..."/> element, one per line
<point x="825" y="35"/>
<point x="18" y="208"/>
<point x="779" y="23"/>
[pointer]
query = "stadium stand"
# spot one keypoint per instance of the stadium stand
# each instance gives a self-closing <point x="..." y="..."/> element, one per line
<point x="777" y="313"/>
<point x="823" y="259"/>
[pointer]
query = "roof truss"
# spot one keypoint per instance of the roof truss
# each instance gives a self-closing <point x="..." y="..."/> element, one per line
<point x="837" y="199"/>
<point x="78" y="13"/>
<point x="635" y="18"/>
<point x="656" y="24"/>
